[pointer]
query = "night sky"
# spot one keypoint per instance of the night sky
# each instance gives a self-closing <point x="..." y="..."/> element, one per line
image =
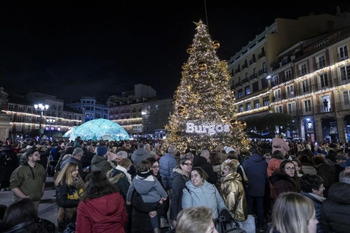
<point x="100" y="48"/>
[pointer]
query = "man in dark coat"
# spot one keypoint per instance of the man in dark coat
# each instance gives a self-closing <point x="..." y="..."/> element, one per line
<point x="87" y="157"/>
<point x="255" y="168"/>
<point x="202" y="161"/>
<point x="8" y="163"/>
<point x="336" y="209"/>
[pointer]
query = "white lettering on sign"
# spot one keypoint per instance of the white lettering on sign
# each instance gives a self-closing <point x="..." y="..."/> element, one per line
<point x="207" y="129"/>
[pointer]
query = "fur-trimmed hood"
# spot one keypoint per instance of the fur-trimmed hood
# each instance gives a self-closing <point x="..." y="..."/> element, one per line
<point x="180" y="171"/>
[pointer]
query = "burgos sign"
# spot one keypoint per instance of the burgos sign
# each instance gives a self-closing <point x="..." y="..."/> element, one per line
<point x="210" y="129"/>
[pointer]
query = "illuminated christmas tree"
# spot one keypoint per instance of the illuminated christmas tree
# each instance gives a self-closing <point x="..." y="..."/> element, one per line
<point x="204" y="112"/>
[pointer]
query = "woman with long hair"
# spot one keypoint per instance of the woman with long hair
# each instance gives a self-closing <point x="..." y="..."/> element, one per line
<point x="285" y="179"/>
<point x="69" y="189"/>
<point x="293" y="213"/>
<point x="21" y="217"/>
<point x="102" y="208"/>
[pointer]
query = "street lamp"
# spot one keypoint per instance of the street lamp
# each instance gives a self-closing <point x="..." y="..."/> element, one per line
<point x="50" y="121"/>
<point x="41" y="107"/>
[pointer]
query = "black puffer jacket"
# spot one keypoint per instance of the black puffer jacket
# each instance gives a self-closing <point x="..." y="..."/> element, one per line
<point x="336" y="209"/>
<point x="180" y="179"/>
<point x="200" y="161"/>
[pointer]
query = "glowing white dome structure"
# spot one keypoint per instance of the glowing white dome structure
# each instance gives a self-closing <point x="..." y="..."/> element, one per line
<point x="98" y="129"/>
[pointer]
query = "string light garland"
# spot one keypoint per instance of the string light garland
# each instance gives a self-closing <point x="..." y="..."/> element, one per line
<point x="204" y="102"/>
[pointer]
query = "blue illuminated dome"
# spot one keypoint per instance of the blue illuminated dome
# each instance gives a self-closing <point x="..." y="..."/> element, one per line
<point x="98" y="129"/>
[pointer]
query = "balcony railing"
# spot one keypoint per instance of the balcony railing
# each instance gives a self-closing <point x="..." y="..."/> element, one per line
<point x="253" y="76"/>
<point x="260" y="55"/>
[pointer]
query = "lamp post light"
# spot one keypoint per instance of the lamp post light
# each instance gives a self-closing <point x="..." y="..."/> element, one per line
<point x="51" y="121"/>
<point x="41" y="107"/>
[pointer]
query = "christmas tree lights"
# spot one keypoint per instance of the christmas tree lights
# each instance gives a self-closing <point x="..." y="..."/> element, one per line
<point x="204" y="113"/>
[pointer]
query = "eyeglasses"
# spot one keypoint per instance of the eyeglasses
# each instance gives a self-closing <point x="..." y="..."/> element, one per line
<point x="155" y="167"/>
<point x="290" y="168"/>
<point x="188" y="164"/>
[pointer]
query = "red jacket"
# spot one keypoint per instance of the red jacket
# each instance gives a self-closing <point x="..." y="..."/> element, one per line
<point x="274" y="165"/>
<point x="105" y="214"/>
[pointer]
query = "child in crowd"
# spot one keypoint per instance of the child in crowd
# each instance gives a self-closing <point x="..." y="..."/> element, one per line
<point x="150" y="189"/>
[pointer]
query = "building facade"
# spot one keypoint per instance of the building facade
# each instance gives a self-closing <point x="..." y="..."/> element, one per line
<point x="90" y="108"/>
<point x="28" y="122"/>
<point x="252" y="68"/>
<point x="139" y="112"/>
<point x="155" y="115"/>
<point x="312" y="83"/>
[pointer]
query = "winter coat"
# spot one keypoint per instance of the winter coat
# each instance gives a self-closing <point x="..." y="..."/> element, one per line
<point x="29" y="180"/>
<point x="106" y="214"/>
<point x="167" y="163"/>
<point x="123" y="169"/>
<point x="232" y="191"/>
<point x="148" y="187"/>
<point x="281" y="145"/>
<point x="200" y="161"/>
<point x="336" y="209"/>
<point x="308" y="169"/>
<point x="273" y="165"/>
<point x="328" y="174"/>
<point x="8" y="163"/>
<point x="204" y="195"/>
<point x="283" y="183"/>
<point x="86" y="159"/>
<point x="67" y="198"/>
<point x="120" y="179"/>
<point x="100" y="163"/>
<point x="139" y="155"/>
<point x="318" y="205"/>
<point x="255" y="168"/>
<point x="180" y="179"/>
<point x="25" y="227"/>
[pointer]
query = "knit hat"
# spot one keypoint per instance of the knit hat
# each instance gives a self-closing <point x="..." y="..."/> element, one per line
<point x="101" y="150"/>
<point x="227" y="149"/>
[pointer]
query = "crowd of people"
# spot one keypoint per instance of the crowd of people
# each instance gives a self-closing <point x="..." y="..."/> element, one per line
<point x="149" y="186"/>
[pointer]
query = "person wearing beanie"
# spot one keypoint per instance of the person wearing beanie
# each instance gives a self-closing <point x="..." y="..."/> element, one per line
<point x="228" y="149"/>
<point x="99" y="162"/>
<point x="101" y="150"/>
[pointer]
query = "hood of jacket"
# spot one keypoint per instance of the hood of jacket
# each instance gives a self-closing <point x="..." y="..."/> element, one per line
<point x="144" y="184"/>
<point x="102" y="207"/>
<point x="232" y="176"/>
<point x="278" y="175"/>
<point x="179" y="171"/>
<point x="140" y="152"/>
<point x="256" y="158"/>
